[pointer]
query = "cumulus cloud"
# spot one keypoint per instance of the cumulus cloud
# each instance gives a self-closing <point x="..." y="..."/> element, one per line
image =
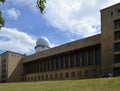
<point x="13" y="13"/>
<point x="78" y="17"/>
<point x="13" y="40"/>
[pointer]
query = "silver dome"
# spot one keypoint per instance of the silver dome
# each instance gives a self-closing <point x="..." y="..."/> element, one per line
<point x="42" y="41"/>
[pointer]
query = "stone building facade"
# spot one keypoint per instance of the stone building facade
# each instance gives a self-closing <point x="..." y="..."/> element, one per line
<point x="93" y="57"/>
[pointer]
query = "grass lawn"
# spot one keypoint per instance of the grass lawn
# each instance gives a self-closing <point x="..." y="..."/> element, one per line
<point x="105" y="84"/>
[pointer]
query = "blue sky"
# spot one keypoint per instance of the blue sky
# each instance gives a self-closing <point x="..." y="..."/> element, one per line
<point x="63" y="21"/>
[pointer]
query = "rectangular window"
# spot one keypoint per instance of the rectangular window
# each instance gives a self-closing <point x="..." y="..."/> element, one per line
<point x="56" y="76"/>
<point x="91" y="57"/>
<point x="67" y="75"/>
<point x="79" y="74"/>
<point x="84" y="58"/>
<point x="66" y="61"/>
<point x="117" y="47"/>
<point x="117" y="58"/>
<point x="97" y="56"/>
<point x="73" y="75"/>
<point x="117" y="23"/>
<point x="117" y="35"/>
<point x="87" y="73"/>
<point x="72" y="62"/>
<point x="78" y="59"/>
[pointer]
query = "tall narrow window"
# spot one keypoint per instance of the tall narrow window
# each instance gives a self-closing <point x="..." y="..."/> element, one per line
<point x="117" y="47"/>
<point x="78" y="59"/>
<point x="117" y="35"/>
<point x="117" y="58"/>
<point x="72" y="62"/>
<point x="66" y="61"/>
<point x="84" y="58"/>
<point x="97" y="56"/>
<point x="117" y="23"/>
<point x="91" y="57"/>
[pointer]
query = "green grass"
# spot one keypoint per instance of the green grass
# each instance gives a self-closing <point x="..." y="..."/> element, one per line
<point x="105" y="84"/>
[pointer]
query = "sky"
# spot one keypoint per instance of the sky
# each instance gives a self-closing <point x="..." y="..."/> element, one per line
<point x="62" y="21"/>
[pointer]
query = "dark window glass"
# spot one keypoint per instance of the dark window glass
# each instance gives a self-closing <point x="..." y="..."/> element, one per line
<point x="56" y="76"/>
<point x="62" y="62"/>
<point x="52" y="64"/>
<point x="117" y="23"/>
<point x="73" y="75"/>
<point x="79" y="73"/>
<point x="91" y="57"/>
<point x="87" y="73"/>
<point x="78" y="59"/>
<point x="117" y="35"/>
<point x="42" y="77"/>
<point x="67" y="75"/>
<point x="72" y="62"/>
<point x="66" y="61"/>
<point x="97" y="56"/>
<point x="117" y="58"/>
<point x="117" y="47"/>
<point x="94" y="73"/>
<point x="84" y="58"/>
<point x="61" y="76"/>
<point x="46" y="77"/>
<point x="57" y="64"/>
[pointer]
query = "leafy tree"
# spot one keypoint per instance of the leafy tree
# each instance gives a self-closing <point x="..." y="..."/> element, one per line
<point x="41" y="5"/>
<point x="2" y="22"/>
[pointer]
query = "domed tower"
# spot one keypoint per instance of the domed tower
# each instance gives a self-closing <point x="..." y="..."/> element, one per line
<point x="42" y="44"/>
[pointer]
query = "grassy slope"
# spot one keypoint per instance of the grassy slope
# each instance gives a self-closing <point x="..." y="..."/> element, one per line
<point x="108" y="84"/>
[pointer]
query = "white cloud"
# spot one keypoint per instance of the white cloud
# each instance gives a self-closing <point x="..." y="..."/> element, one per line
<point x="30" y="3"/>
<point x="13" y="13"/>
<point x="79" y="17"/>
<point x="13" y="40"/>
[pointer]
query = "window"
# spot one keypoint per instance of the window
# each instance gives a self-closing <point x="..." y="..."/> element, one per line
<point x="51" y="76"/>
<point x="117" y="23"/>
<point x="73" y="75"/>
<point x="66" y="61"/>
<point x="38" y="77"/>
<point x="91" y="57"/>
<point x="67" y="75"/>
<point x="56" y="76"/>
<point x="97" y="56"/>
<point x="79" y="74"/>
<point x="117" y="47"/>
<point x="117" y="35"/>
<point x="87" y="73"/>
<point x="61" y="76"/>
<point x="42" y="77"/>
<point x="46" y="77"/>
<point x="94" y="73"/>
<point x="72" y="62"/>
<point x="61" y="62"/>
<point x="118" y="11"/>
<point x="117" y="58"/>
<point x="78" y="59"/>
<point x="84" y="58"/>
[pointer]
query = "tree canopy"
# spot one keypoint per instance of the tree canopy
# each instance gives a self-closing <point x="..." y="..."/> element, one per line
<point x="41" y="5"/>
<point x="2" y="22"/>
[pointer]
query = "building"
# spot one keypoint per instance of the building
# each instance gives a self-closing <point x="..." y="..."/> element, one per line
<point x="93" y="57"/>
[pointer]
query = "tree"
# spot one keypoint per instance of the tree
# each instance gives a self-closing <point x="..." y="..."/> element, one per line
<point x="41" y="5"/>
<point x="2" y="21"/>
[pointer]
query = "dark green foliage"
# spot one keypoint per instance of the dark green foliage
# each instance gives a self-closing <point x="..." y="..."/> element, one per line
<point x="2" y="1"/>
<point x="41" y="5"/>
<point x="2" y="22"/>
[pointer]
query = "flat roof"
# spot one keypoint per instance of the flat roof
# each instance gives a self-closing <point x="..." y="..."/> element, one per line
<point x="82" y="43"/>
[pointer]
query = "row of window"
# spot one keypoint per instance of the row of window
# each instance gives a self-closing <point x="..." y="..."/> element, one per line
<point x="66" y="75"/>
<point x="77" y="59"/>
